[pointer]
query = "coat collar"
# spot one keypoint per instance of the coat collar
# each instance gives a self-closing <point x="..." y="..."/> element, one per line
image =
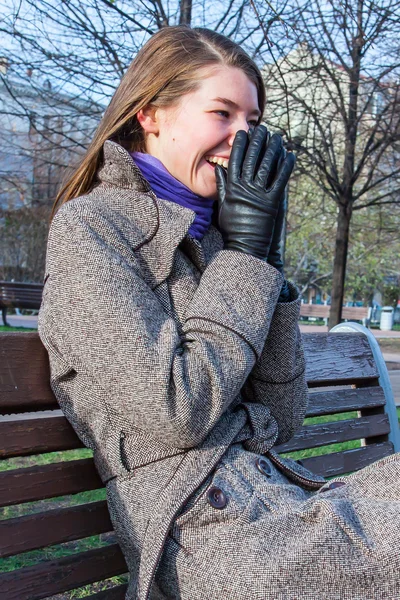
<point x="164" y="224"/>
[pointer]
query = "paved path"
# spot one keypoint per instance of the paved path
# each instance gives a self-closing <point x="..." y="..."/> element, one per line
<point x="390" y="357"/>
<point x="22" y="321"/>
<point x="395" y="381"/>
<point x="323" y="329"/>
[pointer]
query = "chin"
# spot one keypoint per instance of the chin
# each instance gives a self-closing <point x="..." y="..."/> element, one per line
<point x="206" y="185"/>
<point x="209" y="191"/>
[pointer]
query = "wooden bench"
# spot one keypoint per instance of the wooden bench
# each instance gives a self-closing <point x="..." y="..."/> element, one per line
<point x="349" y="313"/>
<point x="19" y="295"/>
<point x="346" y="363"/>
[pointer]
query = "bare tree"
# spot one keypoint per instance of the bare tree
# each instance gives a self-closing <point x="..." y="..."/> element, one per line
<point x="23" y="243"/>
<point x="333" y="89"/>
<point x="83" y="47"/>
<point x="62" y="63"/>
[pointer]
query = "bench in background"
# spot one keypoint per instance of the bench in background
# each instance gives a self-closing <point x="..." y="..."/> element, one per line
<point x="349" y="313"/>
<point x="19" y="295"/>
<point x="348" y="357"/>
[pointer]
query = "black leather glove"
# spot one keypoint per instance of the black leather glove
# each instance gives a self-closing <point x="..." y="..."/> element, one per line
<point x="250" y="191"/>
<point x="275" y="256"/>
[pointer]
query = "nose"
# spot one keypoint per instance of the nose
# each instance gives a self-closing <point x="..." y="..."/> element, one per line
<point x="239" y="124"/>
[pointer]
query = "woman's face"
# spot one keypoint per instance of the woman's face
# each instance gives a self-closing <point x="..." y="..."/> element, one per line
<point x="190" y="137"/>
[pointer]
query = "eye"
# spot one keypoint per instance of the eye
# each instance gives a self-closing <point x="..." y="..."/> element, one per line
<point x="223" y="113"/>
<point x="253" y="123"/>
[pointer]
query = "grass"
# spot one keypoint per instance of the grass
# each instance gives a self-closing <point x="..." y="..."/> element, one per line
<point x="51" y="553"/>
<point x="44" y="459"/>
<point x="27" y="559"/>
<point x="396" y="326"/>
<point x="340" y="447"/>
<point x="3" y="328"/>
<point x="314" y="322"/>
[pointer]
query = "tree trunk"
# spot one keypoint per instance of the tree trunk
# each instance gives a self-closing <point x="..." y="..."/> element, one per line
<point x="339" y="264"/>
<point x="346" y="202"/>
<point x="185" y="16"/>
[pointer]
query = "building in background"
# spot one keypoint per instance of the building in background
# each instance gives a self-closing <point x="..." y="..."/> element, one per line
<point x="42" y="133"/>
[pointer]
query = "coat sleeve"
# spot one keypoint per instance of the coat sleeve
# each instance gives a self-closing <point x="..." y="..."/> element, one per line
<point x="107" y="324"/>
<point x="278" y="378"/>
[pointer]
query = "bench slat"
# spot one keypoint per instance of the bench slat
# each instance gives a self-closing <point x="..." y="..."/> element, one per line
<point x="31" y="301"/>
<point x="338" y="401"/>
<point x="21" y="437"/>
<point x="322" y="311"/>
<point x="21" y="386"/>
<point x="340" y="463"/>
<point x="56" y="576"/>
<point x="11" y="298"/>
<point x="356" y="313"/>
<point x="56" y="526"/>
<point x="20" y="285"/>
<point x="48" y="481"/>
<point x="331" y="359"/>
<point x="116" y="593"/>
<point x="34" y="436"/>
<point x="313" y="436"/>
<point x="338" y="359"/>
<point x="315" y="310"/>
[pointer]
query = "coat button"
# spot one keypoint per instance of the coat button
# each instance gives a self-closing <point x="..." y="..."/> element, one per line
<point x="216" y="498"/>
<point x="263" y="466"/>
<point x="333" y="485"/>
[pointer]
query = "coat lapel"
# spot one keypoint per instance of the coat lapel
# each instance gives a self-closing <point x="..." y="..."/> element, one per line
<point x="166" y="222"/>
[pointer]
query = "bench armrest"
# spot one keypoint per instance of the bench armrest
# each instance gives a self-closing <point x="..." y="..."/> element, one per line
<point x="384" y="380"/>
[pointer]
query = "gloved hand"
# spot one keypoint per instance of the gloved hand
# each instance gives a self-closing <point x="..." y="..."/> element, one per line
<point x="250" y="191"/>
<point x="275" y="256"/>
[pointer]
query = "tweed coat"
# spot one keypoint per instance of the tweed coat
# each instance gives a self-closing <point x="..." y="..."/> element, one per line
<point x="175" y="363"/>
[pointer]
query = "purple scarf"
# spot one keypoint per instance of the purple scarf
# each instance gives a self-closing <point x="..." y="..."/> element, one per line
<point x="166" y="187"/>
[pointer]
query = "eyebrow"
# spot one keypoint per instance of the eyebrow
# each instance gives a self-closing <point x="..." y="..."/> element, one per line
<point x="234" y="105"/>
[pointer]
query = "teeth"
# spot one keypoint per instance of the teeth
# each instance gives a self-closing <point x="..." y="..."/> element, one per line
<point x="218" y="161"/>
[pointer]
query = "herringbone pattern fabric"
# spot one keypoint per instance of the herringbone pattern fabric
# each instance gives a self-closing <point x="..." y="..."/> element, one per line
<point x="175" y="364"/>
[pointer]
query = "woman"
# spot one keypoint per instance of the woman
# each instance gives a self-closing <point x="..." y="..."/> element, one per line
<point x="175" y="351"/>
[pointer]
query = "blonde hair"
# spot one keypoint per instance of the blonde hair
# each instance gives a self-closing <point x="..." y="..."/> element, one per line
<point x="164" y="70"/>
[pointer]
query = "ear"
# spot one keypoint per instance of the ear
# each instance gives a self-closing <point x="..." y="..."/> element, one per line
<point x="147" y="117"/>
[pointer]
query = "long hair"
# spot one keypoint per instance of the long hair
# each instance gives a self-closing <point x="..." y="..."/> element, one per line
<point x="163" y="71"/>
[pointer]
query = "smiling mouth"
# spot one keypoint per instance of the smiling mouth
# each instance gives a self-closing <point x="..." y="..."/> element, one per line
<point x="216" y="160"/>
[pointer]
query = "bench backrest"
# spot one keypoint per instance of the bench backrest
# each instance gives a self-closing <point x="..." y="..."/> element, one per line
<point x="321" y="311"/>
<point x="20" y="295"/>
<point x="333" y="360"/>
